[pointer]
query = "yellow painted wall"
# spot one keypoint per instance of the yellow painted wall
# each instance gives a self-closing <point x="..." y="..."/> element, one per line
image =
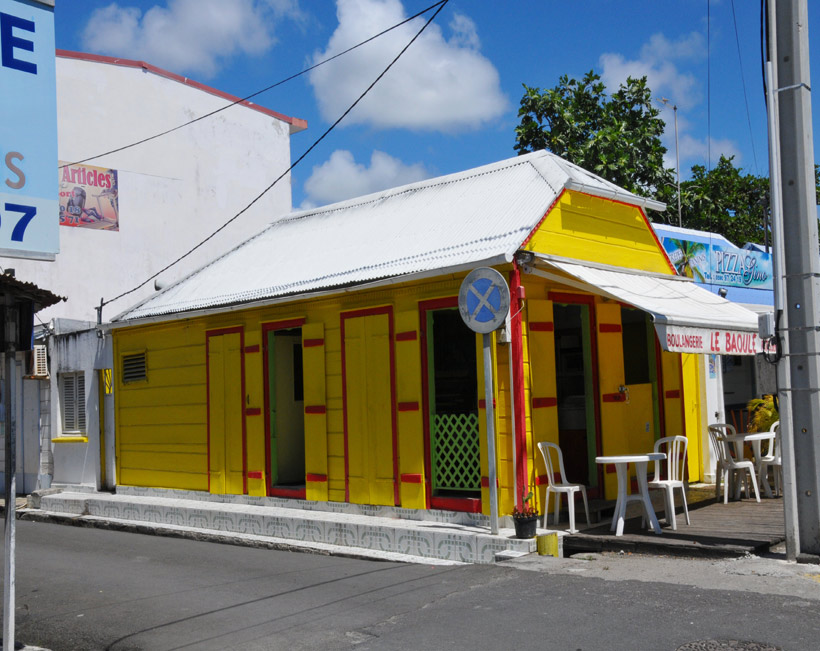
<point x="162" y="422"/>
<point x="599" y="230"/>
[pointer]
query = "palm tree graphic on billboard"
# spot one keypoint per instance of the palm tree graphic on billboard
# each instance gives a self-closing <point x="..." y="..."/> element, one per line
<point x="689" y="259"/>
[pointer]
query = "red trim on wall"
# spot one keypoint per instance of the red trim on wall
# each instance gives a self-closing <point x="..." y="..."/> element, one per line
<point x="542" y="480"/>
<point x="407" y="335"/>
<point x="541" y="221"/>
<point x="613" y="397"/>
<point x="285" y="324"/>
<point x="485" y="482"/>
<point x="297" y="493"/>
<point x="252" y="349"/>
<point x="297" y="123"/>
<point x="373" y="311"/>
<point x="411" y="478"/>
<point x="253" y="411"/>
<point x="311" y="476"/>
<point x="217" y="333"/>
<point x="313" y="343"/>
<point x="315" y="409"/>
<point x="567" y="298"/>
<point x="675" y="393"/>
<point x="610" y="468"/>
<point x="659" y="375"/>
<point x="541" y="326"/>
<point x="538" y="403"/>
<point x="482" y="404"/>
<point x="408" y="406"/>
<point x="609" y="327"/>
<point x="463" y="504"/>
<point x="254" y="474"/>
<point x="518" y="396"/>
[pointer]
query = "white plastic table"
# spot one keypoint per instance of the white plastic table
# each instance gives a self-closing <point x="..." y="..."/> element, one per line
<point x="754" y="438"/>
<point x="621" y="463"/>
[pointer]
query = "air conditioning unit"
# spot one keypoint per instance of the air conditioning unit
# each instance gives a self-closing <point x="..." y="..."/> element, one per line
<point x="38" y="362"/>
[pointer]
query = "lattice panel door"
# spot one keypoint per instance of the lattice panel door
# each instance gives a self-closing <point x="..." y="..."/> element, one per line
<point x="456" y="452"/>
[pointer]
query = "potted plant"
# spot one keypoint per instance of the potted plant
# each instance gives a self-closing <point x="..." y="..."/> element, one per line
<point x="525" y="519"/>
<point x="762" y="413"/>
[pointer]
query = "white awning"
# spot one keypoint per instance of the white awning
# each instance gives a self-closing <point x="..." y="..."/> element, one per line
<point x="687" y="318"/>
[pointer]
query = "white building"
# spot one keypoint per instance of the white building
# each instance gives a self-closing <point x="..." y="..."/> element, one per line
<point x="133" y="212"/>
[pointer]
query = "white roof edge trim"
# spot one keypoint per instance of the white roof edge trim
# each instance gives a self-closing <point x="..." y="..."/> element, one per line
<point x="545" y="257"/>
<point x="625" y="197"/>
<point x="384" y="282"/>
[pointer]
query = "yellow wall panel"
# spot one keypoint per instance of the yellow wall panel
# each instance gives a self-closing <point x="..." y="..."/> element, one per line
<point x="599" y="230"/>
<point x="316" y="459"/>
<point x="409" y="403"/>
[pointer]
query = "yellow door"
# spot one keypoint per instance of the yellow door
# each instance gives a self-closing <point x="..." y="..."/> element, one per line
<point x="369" y="410"/>
<point x="226" y="452"/>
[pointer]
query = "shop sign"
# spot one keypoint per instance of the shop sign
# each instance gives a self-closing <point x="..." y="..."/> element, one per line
<point x="89" y="197"/>
<point x="720" y="265"/>
<point x="28" y="130"/>
<point x="710" y="341"/>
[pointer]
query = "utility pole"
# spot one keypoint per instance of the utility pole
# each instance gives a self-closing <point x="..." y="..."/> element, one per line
<point x="800" y="266"/>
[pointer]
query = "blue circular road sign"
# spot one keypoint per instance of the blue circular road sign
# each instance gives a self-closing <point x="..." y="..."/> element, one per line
<point x="484" y="300"/>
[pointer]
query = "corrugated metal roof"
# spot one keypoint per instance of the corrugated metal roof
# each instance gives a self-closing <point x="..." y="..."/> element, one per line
<point x="478" y="216"/>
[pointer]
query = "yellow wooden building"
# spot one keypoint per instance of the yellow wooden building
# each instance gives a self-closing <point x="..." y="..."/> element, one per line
<point x="325" y="358"/>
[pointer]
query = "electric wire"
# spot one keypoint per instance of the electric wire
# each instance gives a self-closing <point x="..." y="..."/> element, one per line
<point x="259" y="92"/>
<point x="441" y="6"/>
<point x="743" y="80"/>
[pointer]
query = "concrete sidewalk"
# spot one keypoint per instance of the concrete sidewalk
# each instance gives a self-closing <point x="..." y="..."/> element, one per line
<point x="375" y="532"/>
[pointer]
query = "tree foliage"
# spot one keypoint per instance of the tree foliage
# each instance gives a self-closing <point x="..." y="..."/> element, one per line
<point x="722" y="200"/>
<point x="616" y="137"/>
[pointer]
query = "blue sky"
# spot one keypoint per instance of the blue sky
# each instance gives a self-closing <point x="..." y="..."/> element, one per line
<point x="451" y="102"/>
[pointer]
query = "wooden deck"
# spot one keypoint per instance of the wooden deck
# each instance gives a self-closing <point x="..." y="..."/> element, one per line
<point x="717" y="530"/>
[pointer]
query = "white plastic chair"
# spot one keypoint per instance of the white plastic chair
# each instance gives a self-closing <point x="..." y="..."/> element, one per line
<point x="770" y="456"/>
<point x="562" y="487"/>
<point x="675" y="472"/>
<point x="727" y="464"/>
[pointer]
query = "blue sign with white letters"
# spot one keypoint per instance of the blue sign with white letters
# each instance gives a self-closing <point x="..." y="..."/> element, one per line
<point x="29" y="207"/>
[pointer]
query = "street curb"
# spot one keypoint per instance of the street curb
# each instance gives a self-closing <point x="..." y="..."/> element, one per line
<point x="256" y="542"/>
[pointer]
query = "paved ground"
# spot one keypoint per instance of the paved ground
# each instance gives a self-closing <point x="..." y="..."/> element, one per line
<point x="95" y="589"/>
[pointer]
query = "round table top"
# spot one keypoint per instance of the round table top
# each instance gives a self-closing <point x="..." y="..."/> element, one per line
<point x="631" y="458"/>
<point x="749" y="436"/>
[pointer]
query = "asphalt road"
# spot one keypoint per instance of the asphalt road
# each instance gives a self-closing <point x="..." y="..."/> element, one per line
<point x="93" y="589"/>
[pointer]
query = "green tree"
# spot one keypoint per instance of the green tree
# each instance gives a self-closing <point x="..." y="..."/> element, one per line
<point x="722" y="200"/>
<point x="616" y="136"/>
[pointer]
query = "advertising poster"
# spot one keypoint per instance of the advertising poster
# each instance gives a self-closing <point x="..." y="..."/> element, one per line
<point x="720" y="265"/>
<point x="88" y="197"/>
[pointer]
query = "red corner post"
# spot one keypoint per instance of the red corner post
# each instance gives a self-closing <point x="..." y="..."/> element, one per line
<point x="517" y="343"/>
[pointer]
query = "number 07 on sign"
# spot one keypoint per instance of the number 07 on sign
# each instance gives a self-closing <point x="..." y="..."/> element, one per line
<point x="484" y="302"/>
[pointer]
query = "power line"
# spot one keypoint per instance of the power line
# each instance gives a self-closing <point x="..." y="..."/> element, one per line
<point x="743" y="79"/>
<point x="259" y="92"/>
<point x="441" y="6"/>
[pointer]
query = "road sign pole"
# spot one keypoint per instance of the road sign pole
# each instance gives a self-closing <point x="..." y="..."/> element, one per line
<point x="488" y="400"/>
<point x="484" y="302"/>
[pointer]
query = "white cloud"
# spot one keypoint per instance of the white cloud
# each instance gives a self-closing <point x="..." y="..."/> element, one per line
<point x="187" y="36"/>
<point x="657" y="63"/>
<point x="438" y="84"/>
<point x="660" y="61"/>
<point x="697" y="148"/>
<point x="341" y="177"/>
